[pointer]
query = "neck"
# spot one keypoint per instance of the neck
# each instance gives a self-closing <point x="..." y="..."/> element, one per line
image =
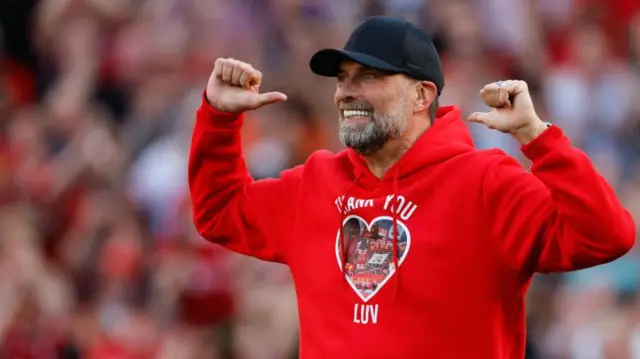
<point x="383" y="159"/>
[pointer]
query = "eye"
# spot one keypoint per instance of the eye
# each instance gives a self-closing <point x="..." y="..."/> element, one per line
<point x="369" y="76"/>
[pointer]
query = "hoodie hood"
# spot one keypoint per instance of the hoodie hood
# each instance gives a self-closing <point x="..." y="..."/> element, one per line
<point x="448" y="137"/>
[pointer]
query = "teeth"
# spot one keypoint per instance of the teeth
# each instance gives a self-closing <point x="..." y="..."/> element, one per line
<point x="356" y="113"/>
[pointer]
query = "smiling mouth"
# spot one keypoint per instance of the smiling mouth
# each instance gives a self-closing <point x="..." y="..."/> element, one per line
<point x="355" y="114"/>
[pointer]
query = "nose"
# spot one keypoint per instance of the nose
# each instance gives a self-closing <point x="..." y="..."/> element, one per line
<point x="345" y="92"/>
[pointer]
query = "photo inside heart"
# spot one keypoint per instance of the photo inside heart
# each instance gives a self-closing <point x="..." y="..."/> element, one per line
<point x="369" y="252"/>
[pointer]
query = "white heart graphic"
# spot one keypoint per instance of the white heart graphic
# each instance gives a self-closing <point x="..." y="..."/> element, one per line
<point x="369" y="252"/>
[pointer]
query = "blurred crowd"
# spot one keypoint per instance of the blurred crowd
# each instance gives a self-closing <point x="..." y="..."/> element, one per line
<point x="98" y="256"/>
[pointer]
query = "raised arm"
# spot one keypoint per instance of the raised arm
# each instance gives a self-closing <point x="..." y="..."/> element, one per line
<point x="230" y="208"/>
<point x="563" y="215"/>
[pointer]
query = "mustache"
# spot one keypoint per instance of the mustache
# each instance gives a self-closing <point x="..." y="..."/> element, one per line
<point x="355" y="106"/>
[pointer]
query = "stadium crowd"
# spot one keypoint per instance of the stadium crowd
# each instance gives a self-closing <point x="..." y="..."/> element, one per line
<point x="98" y="256"/>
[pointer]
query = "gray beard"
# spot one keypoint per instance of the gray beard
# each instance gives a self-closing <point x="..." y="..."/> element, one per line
<point x="368" y="138"/>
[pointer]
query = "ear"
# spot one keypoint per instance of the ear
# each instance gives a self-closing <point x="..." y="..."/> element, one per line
<point x="426" y="93"/>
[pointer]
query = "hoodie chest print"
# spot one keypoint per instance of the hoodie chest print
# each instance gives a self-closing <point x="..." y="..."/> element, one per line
<point x="373" y="247"/>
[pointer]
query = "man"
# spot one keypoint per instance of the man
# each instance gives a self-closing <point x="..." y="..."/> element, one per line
<point x="475" y="225"/>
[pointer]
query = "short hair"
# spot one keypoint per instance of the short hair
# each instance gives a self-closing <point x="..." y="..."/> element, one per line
<point x="433" y="109"/>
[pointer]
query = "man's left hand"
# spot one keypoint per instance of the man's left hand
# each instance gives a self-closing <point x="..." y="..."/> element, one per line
<point x="513" y="110"/>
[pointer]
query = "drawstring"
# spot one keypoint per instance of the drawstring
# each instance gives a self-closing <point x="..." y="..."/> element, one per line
<point x="343" y="250"/>
<point x="394" y="243"/>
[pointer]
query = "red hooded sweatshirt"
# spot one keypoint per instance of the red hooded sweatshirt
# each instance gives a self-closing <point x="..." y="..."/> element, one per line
<point x="466" y="228"/>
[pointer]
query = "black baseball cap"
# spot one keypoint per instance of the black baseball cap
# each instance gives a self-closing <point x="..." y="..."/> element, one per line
<point x="388" y="44"/>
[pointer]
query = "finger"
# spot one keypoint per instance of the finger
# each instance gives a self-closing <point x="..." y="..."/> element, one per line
<point x="256" y="78"/>
<point x="504" y="97"/>
<point x="479" y="117"/>
<point x="509" y="89"/>
<point x="269" y="97"/>
<point x="515" y="88"/>
<point x="217" y="68"/>
<point x="238" y="69"/>
<point x="495" y="95"/>
<point x="246" y="76"/>
<point x="227" y="69"/>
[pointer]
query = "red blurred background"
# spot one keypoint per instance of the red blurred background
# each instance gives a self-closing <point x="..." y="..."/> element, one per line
<point x="98" y="257"/>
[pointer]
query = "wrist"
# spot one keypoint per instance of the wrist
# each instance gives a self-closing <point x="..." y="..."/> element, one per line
<point x="528" y="133"/>
<point x="219" y="118"/>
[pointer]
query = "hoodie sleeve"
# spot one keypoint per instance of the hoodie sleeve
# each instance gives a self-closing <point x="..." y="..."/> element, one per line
<point x="229" y="207"/>
<point x="562" y="216"/>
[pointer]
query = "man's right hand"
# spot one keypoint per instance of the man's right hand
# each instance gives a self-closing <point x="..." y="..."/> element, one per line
<point x="234" y="86"/>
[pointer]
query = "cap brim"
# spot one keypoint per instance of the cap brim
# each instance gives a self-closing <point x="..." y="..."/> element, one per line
<point x="327" y="62"/>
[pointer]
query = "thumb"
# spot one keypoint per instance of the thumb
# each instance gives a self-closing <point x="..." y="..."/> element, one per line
<point x="480" y="117"/>
<point x="269" y="98"/>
